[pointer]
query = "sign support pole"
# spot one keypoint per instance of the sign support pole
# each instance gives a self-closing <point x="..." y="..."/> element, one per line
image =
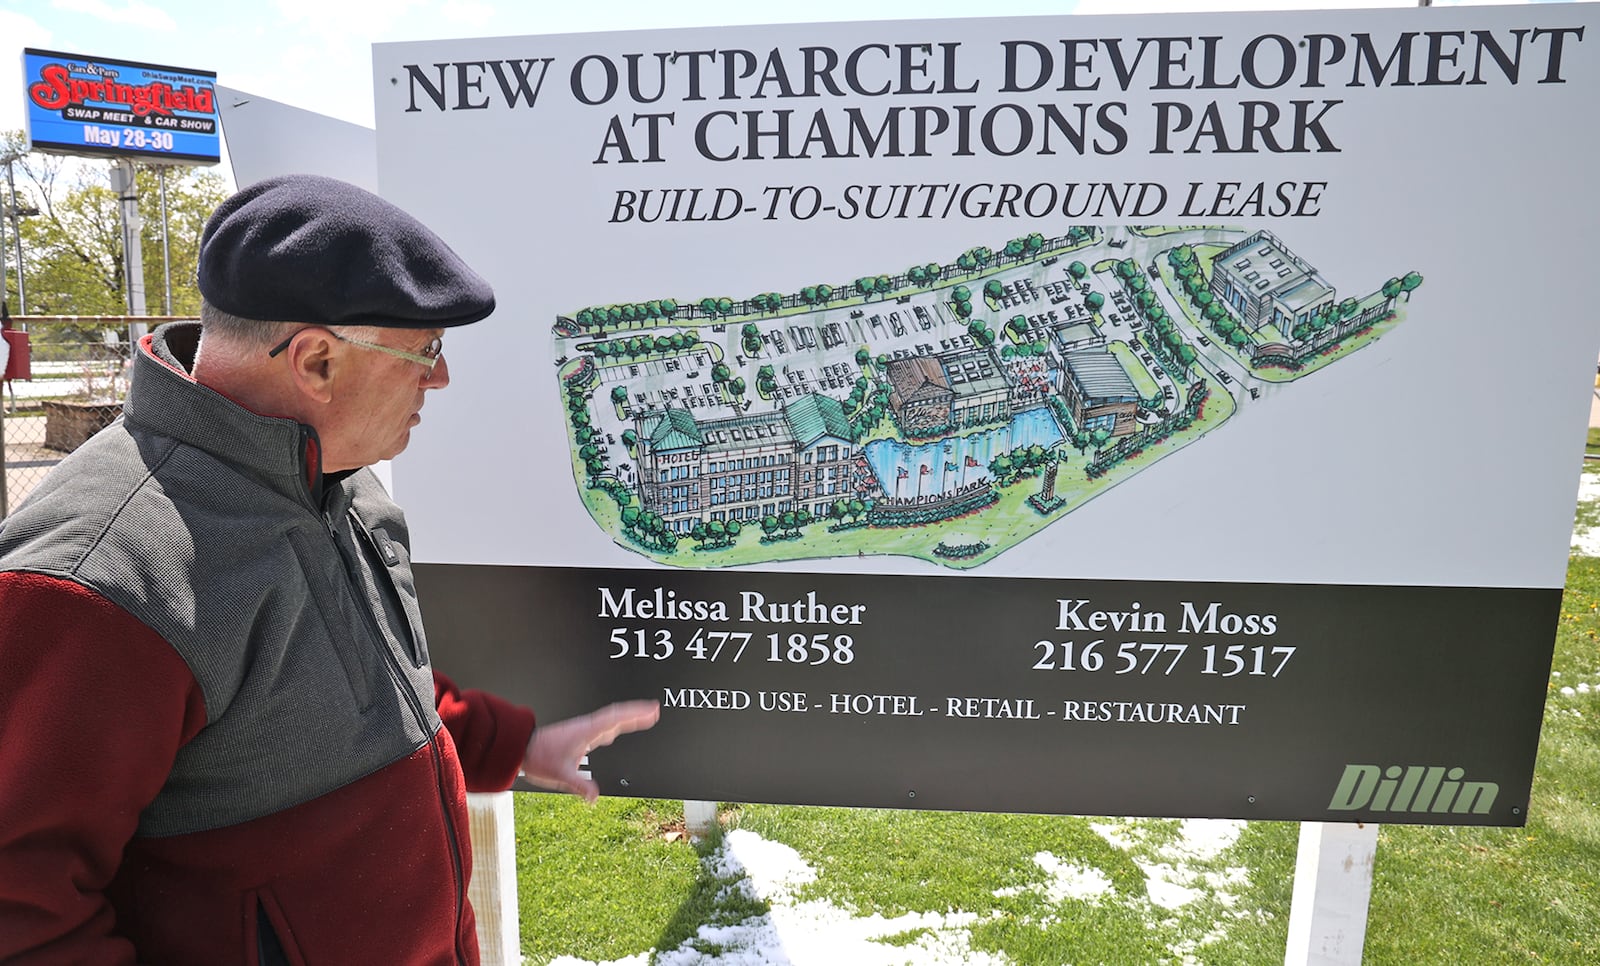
<point x="127" y="189"/>
<point x="1332" y="888"/>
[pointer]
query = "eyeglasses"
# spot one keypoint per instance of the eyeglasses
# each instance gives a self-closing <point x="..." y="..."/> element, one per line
<point x="427" y="358"/>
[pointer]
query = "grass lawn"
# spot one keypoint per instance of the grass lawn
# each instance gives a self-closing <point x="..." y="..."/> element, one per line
<point x="618" y="880"/>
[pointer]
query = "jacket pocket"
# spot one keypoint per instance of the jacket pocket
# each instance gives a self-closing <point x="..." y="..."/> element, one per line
<point x="273" y="944"/>
<point x="396" y="570"/>
<point x="343" y="629"/>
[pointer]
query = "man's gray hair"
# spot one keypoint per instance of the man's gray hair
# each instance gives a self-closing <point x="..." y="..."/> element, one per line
<point x="240" y="331"/>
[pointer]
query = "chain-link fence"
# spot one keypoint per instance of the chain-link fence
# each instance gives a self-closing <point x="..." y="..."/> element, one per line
<point x="71" y="374"/>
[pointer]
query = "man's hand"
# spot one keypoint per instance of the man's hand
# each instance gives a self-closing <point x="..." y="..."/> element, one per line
<point x="555" y="749"/>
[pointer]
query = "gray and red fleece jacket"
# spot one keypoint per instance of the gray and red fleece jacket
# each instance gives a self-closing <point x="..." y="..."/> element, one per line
<point x="220" y="738"/>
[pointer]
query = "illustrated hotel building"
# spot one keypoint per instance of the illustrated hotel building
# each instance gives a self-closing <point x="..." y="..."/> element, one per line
<point x="745" y="467"/>
<point x="1265" y="283"/>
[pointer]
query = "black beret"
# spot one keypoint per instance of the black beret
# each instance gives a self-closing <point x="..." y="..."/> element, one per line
<point x="304" y="248"/>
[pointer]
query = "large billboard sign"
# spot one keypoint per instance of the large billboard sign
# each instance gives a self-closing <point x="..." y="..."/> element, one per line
<point x="1158" y="416"/>
<point x="99" y="107"/>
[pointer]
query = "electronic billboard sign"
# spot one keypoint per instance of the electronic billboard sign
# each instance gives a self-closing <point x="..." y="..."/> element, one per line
<point x="101" y="107"/>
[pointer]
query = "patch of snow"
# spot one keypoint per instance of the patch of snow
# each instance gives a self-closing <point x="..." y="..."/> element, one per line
<point x="810" y="933"/>
<point x="1586" y="540"/>
<point x="1207" y="838"/>
<point x="1168" y="886"/>
<point x="1066" y="881"/>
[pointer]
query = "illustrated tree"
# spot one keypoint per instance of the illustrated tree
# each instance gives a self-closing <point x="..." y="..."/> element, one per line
<point x="1094" y="301"/>
<point x="1078" y="270"/>
<point x="751" y="339"/>
<point x="863" y="357"/>
<point x="769" y="525"/>
<point x="839" y="510"/>
<point x="1392" y="289"/>
<point x="1238" y="338"/>
<point x="993" y="289"/>
<point x="1410" y="283"/>
<point x="720" y="372"/>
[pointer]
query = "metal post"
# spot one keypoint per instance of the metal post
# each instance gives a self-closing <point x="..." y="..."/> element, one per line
<point x="166" y="253"/>
<point x="3" y="256"/>
<point x="5" y="499"/>
<point x="16" y="231"/>
<point x="127" y="189"/>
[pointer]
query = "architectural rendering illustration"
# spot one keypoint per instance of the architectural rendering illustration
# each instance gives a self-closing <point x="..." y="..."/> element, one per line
<point x="946" y="412"/>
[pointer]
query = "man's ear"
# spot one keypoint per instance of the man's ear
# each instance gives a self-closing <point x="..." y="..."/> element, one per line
<point x="311" y="364"/>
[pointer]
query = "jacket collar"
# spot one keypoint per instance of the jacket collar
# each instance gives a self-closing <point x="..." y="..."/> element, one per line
<point x="163" y="397"/>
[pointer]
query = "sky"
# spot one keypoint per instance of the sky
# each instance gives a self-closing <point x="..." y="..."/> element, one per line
<point x="316" y="54"/>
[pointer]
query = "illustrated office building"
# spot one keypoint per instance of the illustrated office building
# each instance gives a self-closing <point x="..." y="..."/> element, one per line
<point x="1267" y="284"/>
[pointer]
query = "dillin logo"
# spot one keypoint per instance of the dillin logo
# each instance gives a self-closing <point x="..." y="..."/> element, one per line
<point x="1412" y="788"/>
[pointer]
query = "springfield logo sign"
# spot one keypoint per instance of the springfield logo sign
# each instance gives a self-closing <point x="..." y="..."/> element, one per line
<point x="98" y="107"/>
<point x="1412" y="788"/>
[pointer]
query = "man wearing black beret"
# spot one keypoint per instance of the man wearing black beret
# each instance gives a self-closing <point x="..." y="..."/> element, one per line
<point x="220" y="737"/>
